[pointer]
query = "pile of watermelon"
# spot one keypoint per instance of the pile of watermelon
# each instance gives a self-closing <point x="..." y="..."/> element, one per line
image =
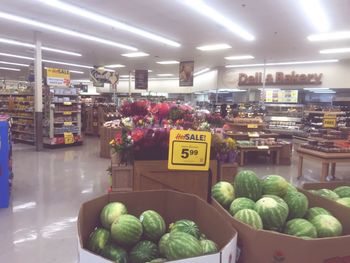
<point x="340" y="194"/>
<point x="274" y="204"/>
<point x="124" y="238"/>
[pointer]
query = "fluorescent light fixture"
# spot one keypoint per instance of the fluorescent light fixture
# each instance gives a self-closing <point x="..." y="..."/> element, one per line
<point x="335" y="50"/>
<point x="242" y="57"/>
<point x="168" y="62"/>
<point x="67" y="64"/>
<point x="284" y="63"/>
<point x="311" y="89"/>
<point x="55" y="50"/>
<point x="64" y="31"/>
<point x="14" y="64"/>
<point x="165" y="75"/>
<point x="150" y="70"/>
<point x="109" y="70"/>
<point x="168" y="78"/>
<point x="10" y="69"/>
<point x="77" y="11"/>
<point x="341" y="35"/>
<point x="76" y="71"/>
<point x="124" y="76"/>
<point x="324" y="92"/>
<point x="214" y="47"/>
<point x="135" y="54"/>
<point x="316" y="13"/>
<point x="206" y="10"/>
<point x="15" y="56"/>
<point x="201" y="71"/>
<point x="115" y="66"/>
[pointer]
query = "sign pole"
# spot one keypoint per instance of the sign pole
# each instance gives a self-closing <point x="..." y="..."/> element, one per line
<point x="38" y="94"/>
<point x="210" y="181"/>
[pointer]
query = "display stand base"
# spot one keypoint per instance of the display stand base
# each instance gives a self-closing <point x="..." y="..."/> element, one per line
<point x="122" y="178"/>
<point x="227" y="171"/>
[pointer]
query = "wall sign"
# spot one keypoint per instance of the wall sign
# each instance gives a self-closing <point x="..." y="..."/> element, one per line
<point x="57" y="77"/>
<point x="141" y="79"/>
<point x="189" y="150"/>
<point x="281" y="96"/>
<point x="280" y="78"/>
<point x="186" y="73"/>
<point x="99" y="76"/>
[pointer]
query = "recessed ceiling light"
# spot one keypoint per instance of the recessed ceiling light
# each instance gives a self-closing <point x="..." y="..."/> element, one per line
<point x="14" y="64"/>
<point x="165" y="75"/>
<point x="115" y="66"/>
<point x="64" y="31"/>
<point x="10" y="69"/>
<point x="150" y="70"/>
<point x="335" y="50"/>
<point x="241" y="57"/>
<point x="330" y="36"/>
<point x="108" y="21"/>
<point x="214" y="47"/>
<point x="316" y="13"/>
<point x="168" y="62"/>
<point x="284" y="63"/>
<point x="135" y="54"/>
<point x="206" y="10"/>
<point x="201" y="71"/>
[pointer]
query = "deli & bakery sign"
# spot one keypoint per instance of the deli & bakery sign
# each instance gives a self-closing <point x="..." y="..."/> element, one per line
<point x="280" y="78"/>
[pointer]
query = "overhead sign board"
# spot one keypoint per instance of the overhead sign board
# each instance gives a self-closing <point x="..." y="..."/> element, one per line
<point x="57" y="77"/>
<point x="99" y="76"/>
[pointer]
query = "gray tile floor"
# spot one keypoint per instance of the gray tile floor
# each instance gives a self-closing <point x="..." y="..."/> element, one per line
<point x="49" y="186"/>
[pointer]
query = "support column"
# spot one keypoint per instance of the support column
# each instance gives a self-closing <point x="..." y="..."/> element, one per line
<point x="130" y="84"/>
<point x="38" y="93"/>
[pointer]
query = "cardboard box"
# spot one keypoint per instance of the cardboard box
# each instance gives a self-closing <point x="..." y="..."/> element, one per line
<point x="172" y="206"/>
<point x="260" y="246"/>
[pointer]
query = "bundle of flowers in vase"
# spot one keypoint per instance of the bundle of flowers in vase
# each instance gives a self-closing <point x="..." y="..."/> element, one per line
<point x="225" y="148"/>
<point x="121" y="147"/>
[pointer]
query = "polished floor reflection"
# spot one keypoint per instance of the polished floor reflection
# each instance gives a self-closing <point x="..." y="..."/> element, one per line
<point x="49" y="186"/>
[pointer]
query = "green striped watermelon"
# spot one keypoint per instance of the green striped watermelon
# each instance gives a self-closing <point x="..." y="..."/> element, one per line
<point x="186" y="226"/>
<point x="153" y="225"/>
<point x="301" y="228"/>
<point x="98" y="239"/>
<point x="273" y="212"/>
<point x="315" y="211"/>
<point x="327" y="194"/>
<point x="327" y="226"/>
<point x="342" y="191"/>
<point x="144" y="251"/>
<point x="182" y="245"/>
<point x="344" y="201"/>
<point x="298" y="204"/>
<point x="291" y="188"/>
<point x="208" y="246"/>
<point x="241" y="203"/>
<point x="248" y="185"/>
<point x="275" y="185"/>
<point x="249" y="217"/>
<point x="224" y="193"/>
<point x="162" y="244"/>
<point x="126" y="230"/>
<point x="111" y="212"/>
<point x="115" y="253"/>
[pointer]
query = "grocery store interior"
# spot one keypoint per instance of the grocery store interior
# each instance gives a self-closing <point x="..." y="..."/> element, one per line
<point x="241" y="107"/>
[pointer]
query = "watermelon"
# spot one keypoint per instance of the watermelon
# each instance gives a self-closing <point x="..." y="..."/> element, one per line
<point x="162" y="244"/>
<point x="153" y="225"/>
<point x="315" y="211"/>
<point x="241" y="203"/>
<point x="273" y="212"/>
<point x="248" y="185"/>
<point x="298" y="204"/>
<point x="98" y="239"/>
<point x="224" y="193"/>
<point x="327" y="226"/>
<point x="111" y="212"/>
<point x="208" y="246"/>
<point x="342" y="191"/>
<point x="115" y="253"/>
<point x="275" y="185"/>
<point x="126" y="230"/>
<point x="144" y="251"/>
<point x="182" y="245"/>
<point x="327" y="194"/>
<point x="249" y="217"/>
<point x="291" y="188"/>
<point x="186" y="226"/>
<point x="344" y="201"/>
<point x="301" y="228"/>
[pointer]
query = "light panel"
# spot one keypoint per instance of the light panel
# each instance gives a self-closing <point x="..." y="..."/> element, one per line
<point x="201" y="71"/>
<point x="316" y="14"/>
<point x="135" y="55"/>
<point x="333" y="36"/>
<point x="241" y="57"/>
<point x="165" y="75"/>
<point x="115" y="66"/>
<point x="284" y="63"/>
<point x="14" y="64"/>
<point x="9" y="69"/>
<point x="214" y="47"/>
<point x="168" y="62"/>
<point x="335" y="50"/>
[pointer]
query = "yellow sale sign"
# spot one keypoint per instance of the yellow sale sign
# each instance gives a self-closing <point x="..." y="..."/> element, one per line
<point x="189" y="150"/>
<point x="68" y="138"/>
<point x="57" y="77"/>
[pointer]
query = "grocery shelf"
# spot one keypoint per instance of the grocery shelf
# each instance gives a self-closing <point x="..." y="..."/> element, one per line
<point x="65" y="95"/>
<point x="23" y="117"/>
<point x="16" y="94"/>
<point x="72" y="111"/>
<point x="23" y="140"/>
<point x="25" y="132"/>
<point x="62" y="122"/>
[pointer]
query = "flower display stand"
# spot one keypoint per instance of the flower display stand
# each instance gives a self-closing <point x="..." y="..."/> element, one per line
<point x="106" y="135"/>
<point x="122" y="178"/>
<point x="227" y="171"/>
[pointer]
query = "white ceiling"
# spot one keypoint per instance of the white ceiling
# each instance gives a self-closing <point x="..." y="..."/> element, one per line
<point x="280" y="28"/>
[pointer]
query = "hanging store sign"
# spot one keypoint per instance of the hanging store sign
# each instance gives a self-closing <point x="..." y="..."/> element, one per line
<point x="189" y="150"/>
<point x="186" y="71"/>
<point x="280" y="78"/>
<point x="99" y="76"/>
<point x="141" y="79"/>
<point x="57" y="77"/>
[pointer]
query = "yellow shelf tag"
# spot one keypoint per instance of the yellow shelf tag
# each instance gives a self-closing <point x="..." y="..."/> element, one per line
<point x="67" y="123"/>
<point x="68" y="138"/>
<point x="67" y="103"/>
<point x="252" y="126"/>
<point x="67" y="113"/>
<point x="329" y="123"/>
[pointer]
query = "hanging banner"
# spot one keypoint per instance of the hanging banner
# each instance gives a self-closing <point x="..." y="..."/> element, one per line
<point x="141" y="79"/>
<point x="57" y="77"/>
<point x="99" y="76"/>
<point x="186" y="73"/>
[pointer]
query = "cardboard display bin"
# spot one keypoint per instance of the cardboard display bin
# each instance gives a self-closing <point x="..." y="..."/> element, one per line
<point x="172" y="206"/>
<point x="261" y="246"/>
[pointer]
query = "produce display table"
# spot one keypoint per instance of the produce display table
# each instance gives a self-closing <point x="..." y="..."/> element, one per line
<point x="247" y="136"/>
<point x="271" y="148"/>
<point x="326" y="160"/>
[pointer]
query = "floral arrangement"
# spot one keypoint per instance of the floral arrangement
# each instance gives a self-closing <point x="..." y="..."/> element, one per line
<point x="215" y="119"/>
<point x="225" y="148"/>
<point x="204" y="126"/>
<point x="122" y="147"/>
<point x="139" y="107"/>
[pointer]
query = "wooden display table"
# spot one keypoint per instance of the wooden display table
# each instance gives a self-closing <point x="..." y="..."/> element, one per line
<point x="247" y="136"/>
<point x="106" y="135"/>
<point x="326" y="160"/>
<point x="267" y="149"/>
